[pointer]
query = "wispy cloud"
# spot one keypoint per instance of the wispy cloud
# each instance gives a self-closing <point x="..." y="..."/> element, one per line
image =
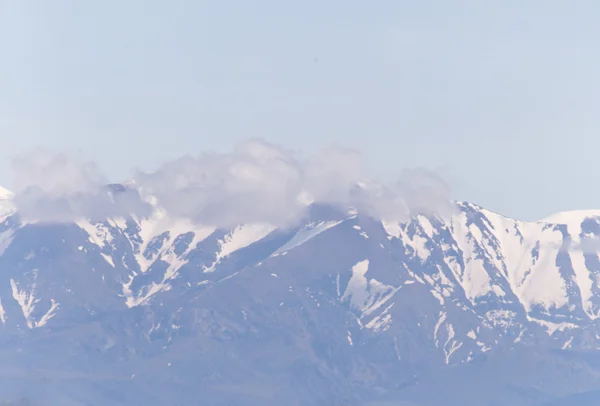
<point x="53" y="187"/>
<point x="257" y="182"/>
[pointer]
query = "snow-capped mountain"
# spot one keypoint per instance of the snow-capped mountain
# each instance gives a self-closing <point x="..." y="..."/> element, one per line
<point x="340" y="308"/>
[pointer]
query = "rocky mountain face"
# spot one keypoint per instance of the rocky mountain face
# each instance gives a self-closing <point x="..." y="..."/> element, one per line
<point x="473" y="308"/>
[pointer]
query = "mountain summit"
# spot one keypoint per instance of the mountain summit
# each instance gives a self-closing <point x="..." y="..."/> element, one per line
<point x="340" y="309"/>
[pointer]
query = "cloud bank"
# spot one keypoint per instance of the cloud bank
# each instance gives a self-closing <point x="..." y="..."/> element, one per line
<point x="257" y="182"/>
<point x="56" y="188"/>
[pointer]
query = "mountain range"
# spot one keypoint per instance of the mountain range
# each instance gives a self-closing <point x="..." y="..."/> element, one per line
<point x="469" y="308"/>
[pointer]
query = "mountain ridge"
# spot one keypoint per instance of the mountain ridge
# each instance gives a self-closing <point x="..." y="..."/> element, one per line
<point x="342" y="305"/>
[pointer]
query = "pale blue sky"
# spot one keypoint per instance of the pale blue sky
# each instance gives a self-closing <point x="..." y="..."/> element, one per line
<point x="504" y="96"/>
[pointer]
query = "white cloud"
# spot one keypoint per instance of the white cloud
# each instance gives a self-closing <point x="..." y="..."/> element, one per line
<point x="257" y="182"/>
<point x="260" y="182"/>
<point x="54" y="173"/>
<point x="53" y="187"/>
<point x="424" y="191"/>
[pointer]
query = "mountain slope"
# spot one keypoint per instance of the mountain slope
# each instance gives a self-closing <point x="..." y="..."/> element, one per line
<point x="341" y="308"/>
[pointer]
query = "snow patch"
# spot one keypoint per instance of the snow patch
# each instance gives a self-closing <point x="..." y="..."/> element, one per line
<point x="241" y="237"/>
<point x="3" y="317"/>
<point x="98" y="234"/>
<point x="381" y="322"/>
<point x="567" y="344"/>
<point x="108" y="259"/>
<point x="6" y="238"/>
<point x="393" y="229"/>
<point x="27" y="301"/>
<point x="363" y="294"/>
<point x="49" y="314"/>
<point x="305" y="234"/>
<point x="551" y="327"/>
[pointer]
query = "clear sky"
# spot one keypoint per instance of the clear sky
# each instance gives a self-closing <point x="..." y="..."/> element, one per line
<point x="502" y="97"/>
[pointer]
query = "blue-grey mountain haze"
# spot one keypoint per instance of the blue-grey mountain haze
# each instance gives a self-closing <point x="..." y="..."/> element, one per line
<point x="231" y="270"/>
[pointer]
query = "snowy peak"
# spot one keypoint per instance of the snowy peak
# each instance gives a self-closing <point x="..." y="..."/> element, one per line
<point x="515" y="275"/>
<point x="573" y="217"/>
<point x="456" y="287"/>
